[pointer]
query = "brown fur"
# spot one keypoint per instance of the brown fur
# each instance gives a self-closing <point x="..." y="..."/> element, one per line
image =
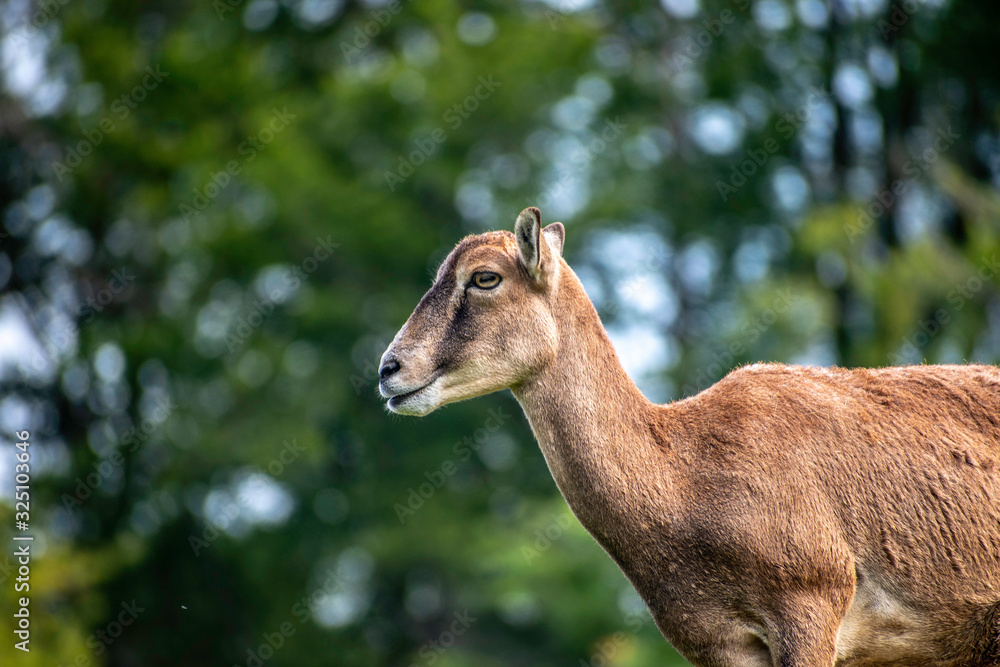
<point x="785" y="516"/>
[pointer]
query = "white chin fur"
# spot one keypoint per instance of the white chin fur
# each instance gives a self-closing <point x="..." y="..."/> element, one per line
<point x="419" y="404"/>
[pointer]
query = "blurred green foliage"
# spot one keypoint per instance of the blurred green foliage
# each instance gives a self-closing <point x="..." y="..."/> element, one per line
<point x="216" y="215"/>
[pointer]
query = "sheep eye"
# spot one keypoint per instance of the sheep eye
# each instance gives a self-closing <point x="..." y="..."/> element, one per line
<point x="485" y="279"/>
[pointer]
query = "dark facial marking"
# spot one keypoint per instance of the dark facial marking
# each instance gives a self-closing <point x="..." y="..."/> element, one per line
<point x="459" y="330"/>
<point x="460" y="326"/>
<point x="438" y="296"/>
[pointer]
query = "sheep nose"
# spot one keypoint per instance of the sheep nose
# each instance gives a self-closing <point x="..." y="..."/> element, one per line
<point x="388" y="368"/>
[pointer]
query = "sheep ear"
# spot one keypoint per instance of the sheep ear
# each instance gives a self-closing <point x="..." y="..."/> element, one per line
<point x="527" y="231"/>
<point x="555" y="234"/>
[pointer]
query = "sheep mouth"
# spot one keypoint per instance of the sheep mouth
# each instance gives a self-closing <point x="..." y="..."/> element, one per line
<point x="397" y="399"/>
